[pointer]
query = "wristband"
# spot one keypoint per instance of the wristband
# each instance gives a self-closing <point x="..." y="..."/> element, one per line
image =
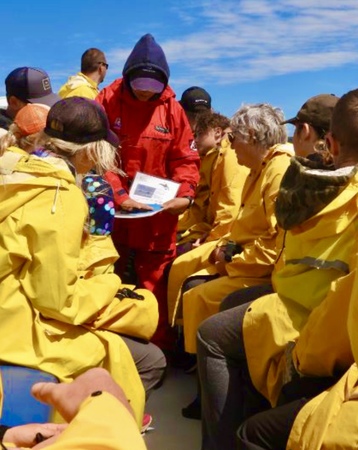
<point x="191" y="200"/>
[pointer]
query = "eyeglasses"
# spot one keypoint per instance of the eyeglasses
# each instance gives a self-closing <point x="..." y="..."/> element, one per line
<point x="103" y="64"/>
<point x="231" y="137"/>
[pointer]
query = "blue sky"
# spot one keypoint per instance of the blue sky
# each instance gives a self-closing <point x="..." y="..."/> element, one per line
<point x="242" y="51"/>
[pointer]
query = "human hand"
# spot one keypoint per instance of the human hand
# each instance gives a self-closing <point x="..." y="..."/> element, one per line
<point x="130" y="205"/>
<point x="66" y="398"/>
<point x="25" y="435"/>
<point x="217" y="255"/>
<point x="99" y="196"/>
<point x="196" y="243"/>
<point x="220" y="267"/>
<point x="177" y="205"/>
<point x="200" y="240"/>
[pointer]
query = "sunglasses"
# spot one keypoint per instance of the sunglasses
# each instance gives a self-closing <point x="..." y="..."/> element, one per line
<point x="103" y="64"/>
<point x="231" y="137"/>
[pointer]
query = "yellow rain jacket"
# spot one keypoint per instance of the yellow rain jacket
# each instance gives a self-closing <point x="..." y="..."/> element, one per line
<point x="329" y="421"/>
<point x="217" y="198"/>
<point x="319" y="210"/>
<point x="79" y="85"/>
<point x="57" y="286"/>
<point x="254" y="229"/>
<point x="102" y="423"/>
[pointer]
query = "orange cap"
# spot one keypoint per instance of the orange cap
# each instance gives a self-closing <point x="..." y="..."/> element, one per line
<point x="31" y="118"/>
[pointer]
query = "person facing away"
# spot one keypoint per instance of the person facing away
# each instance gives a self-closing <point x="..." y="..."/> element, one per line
<point x="312" y="123"/>
<point x="24" y="131"/>
<point x="25" y="85"/>
<point x="155" y="139"/>
<point x="57" y="275"/>
<point x="218" y="195"/>
<point x="94" y="68"/>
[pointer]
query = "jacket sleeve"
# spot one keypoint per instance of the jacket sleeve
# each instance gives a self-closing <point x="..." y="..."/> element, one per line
<point x="55" y="277"/>
<point x="107" y="99"/>
<point x="228" y="199"/>
<point x="317" y="352"/>
<point x="119" y="192"/>
<point x="102" y="422"/>
<point x="82" y="91"/>
<point x="258" y="256"/>
<point x="183" y="161"/>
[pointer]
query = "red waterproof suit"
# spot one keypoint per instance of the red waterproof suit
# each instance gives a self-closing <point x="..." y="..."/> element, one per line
<point x="155" y="139"/>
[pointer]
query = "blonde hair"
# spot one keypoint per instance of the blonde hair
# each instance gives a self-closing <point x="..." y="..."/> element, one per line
<point x="14" y="138"/>
<point x="101" y="153"/>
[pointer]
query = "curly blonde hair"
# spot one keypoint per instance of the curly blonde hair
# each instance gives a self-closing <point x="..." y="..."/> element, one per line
<point x="14" y="138"/>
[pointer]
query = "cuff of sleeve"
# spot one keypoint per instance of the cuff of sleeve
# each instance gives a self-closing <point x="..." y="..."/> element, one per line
<point x="186" y="189"/>
<point x="120" y="197"/>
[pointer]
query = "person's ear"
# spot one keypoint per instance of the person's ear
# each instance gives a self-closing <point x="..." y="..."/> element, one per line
<point x="332" y="144"/>
<point x="305" y="132"/>
<point x="15" y="104"/>
<point x="218" y="134"/>
<point x="252" y="137"/>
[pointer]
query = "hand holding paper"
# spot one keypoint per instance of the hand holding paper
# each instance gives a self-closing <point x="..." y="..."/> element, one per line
<point x="150" y="195"/>
<point x="177" y="205"/>
<point x="130" y="205"/>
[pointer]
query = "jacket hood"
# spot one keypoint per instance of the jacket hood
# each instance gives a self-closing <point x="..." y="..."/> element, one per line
<point x="306" y="189"/>
<point x="78" y="80"/>
<point x="25" y="176"/>
<point x="146" y="54"/>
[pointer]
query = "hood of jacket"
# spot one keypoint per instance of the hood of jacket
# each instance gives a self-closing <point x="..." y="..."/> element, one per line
<point x="25" y="176"/>
<point x="80" y="79"/>
<point x="306" y="189"/>
<point x="146" y="54"/>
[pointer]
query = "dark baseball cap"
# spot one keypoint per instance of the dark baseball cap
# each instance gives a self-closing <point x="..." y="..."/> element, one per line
<point x="79" y="120"/>
<point x="31" y="85"/>
<point x="317" y="112"/>
<point x="195" y="99"/>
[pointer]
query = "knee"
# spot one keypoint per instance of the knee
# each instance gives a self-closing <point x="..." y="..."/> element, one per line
<point x="156" y="365"/>
<point x="240" y="441"/>
<point x="244" y="439"/>
<point x="208" y="330"/>
<point x="230" y="301"/>
<point x="157" y="358"/>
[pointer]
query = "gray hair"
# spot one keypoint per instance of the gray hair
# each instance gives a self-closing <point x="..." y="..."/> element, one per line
<point x="259" y="124"/>
<point x="101" y="153"/>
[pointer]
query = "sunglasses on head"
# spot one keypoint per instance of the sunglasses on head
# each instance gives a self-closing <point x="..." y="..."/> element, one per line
<point x="103" y="64"/>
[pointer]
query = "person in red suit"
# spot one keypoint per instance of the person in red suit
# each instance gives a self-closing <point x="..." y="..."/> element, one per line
<point x="156" y="139"/>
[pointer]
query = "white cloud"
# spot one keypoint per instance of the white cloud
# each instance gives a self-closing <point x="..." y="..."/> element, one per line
<point x="228" y="41"/>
